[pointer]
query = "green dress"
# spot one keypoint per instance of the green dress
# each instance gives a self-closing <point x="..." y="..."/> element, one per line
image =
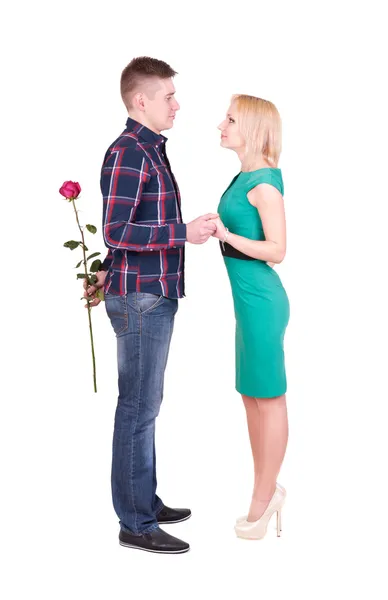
<point x="260" y="302"/>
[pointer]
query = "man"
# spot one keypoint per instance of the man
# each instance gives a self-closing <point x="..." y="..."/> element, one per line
<point x="143" y="278"/>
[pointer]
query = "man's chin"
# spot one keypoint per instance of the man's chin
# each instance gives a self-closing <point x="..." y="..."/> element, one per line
<point x="167" y="126"/>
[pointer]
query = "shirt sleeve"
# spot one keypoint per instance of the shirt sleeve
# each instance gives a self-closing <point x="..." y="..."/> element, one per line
<point x="123" y="178"/>
<point x="107" y="261"/>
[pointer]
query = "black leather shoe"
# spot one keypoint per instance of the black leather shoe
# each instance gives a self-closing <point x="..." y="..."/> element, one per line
<point x="156" y="541"/>
<point x="173" y="515"/>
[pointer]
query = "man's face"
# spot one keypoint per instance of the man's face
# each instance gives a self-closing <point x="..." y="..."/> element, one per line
<point x="160" y="105"/>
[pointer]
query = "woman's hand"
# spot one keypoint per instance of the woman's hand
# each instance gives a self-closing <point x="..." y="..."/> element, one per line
<point x="220" y="231"/>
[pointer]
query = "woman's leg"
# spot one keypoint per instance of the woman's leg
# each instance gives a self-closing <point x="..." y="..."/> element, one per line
<point x="268" y="432"/>
<point x="253" y="421"/>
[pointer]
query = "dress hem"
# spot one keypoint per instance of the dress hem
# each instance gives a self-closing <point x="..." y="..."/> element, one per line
<point x="261" y="395"/>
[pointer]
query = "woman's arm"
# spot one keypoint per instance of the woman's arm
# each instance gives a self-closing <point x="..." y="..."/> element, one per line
<point x="269" y="203"/>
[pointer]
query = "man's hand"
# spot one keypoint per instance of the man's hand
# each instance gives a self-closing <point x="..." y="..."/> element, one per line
<point x="220" y="229"/>
<point x="90" y="290"/>
<point x="199" y="230"/>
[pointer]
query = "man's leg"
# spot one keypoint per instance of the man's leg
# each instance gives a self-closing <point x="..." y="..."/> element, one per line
<point x="157" y="502"/>
<point x="143" y="324"/>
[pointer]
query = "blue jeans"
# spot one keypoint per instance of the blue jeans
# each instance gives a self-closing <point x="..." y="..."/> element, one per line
<point x="143" y="324"/>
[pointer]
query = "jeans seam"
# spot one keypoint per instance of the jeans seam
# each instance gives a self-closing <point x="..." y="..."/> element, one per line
<point x="131" y="479"/>
<point x="125" y="306"/>
<point x="159" y="509"/>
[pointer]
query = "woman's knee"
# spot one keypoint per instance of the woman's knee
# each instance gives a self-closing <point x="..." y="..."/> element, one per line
<point x="271" y="403"/>
<point x="249" y="402"/>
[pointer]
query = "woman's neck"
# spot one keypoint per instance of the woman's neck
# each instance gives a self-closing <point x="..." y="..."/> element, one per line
<point x="260" y="163"/>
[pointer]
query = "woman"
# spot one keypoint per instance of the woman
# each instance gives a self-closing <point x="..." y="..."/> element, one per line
<point x="252" y="234"/>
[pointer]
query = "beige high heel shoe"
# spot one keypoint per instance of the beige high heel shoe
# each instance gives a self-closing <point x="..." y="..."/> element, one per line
<point x="243" y="518"/>
<point x="256" y="530"/>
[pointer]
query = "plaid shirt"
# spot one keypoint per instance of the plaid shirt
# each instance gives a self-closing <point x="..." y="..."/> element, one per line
<point x="142" y="221"/>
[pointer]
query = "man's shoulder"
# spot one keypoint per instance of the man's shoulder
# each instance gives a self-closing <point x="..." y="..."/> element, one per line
<point x="125" y="141"/>
<point x="128" y="144"/>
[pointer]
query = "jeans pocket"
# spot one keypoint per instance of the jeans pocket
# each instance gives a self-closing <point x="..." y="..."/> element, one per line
<point x="117" y="310"/>
<point x="146" y="302"/>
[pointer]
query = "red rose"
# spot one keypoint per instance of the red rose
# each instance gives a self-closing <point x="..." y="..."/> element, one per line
<point x="70" y="189"/>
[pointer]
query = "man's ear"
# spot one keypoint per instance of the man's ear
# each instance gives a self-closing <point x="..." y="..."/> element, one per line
<point x="138" y="101"/>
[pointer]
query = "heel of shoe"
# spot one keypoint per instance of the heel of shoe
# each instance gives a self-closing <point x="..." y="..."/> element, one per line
<point x="279" y="522"/>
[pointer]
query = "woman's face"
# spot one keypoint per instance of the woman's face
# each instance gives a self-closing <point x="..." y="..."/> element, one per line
<point x="230" y="134"/>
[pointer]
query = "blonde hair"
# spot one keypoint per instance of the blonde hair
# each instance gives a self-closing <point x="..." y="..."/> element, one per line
<point x="261" y="126"/>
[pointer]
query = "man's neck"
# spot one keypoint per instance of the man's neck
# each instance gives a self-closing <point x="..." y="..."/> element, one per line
<point x="143" y="121"/>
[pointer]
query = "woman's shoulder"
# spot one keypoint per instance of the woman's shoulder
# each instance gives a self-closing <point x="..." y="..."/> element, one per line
<point x="270" y="175"/>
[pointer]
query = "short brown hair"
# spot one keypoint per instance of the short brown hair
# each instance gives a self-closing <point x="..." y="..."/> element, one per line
<point x="139" y="69"/>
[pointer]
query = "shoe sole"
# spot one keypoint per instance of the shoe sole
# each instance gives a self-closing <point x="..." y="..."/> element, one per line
<point x="171" y="522"/>
<point x="154" y="551"/>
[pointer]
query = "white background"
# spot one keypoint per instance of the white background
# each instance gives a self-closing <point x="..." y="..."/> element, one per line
<point x="322" y="64"/>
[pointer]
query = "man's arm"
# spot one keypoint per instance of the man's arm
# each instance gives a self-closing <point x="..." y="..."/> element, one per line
<point x="123" y="178"/>
<point x="106" y="263"/>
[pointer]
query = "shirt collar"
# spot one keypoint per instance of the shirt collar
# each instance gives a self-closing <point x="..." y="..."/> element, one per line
<point x="146" y="134"/>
